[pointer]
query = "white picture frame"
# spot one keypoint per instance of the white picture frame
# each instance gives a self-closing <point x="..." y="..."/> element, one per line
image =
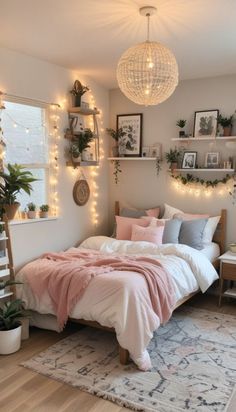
<point x="212" y="160"/>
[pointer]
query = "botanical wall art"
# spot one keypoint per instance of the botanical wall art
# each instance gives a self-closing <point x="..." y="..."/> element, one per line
<point x="189" y="160"/>
<point x="212" y="160"/>
<point x="131" y="142"/>
<point x="205" y="123"/>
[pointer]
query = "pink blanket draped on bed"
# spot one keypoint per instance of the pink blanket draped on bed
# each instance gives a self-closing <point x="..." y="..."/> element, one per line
<point x="66" y="275"/>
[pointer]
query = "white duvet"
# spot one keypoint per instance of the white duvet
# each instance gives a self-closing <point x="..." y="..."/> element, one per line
<point x="121" y="299"/>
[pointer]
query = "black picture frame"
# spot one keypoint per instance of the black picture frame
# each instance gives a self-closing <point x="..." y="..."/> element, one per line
<point x="130" y="145"/>
<point x="208" y="129"/>
<point x="189" y="163"/>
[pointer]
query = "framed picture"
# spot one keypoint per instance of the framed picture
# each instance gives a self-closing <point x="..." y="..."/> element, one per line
<point x="189" y="160"/>
<point x="131" y="143"/>
<point x="205" y="123"/>
<point x="212" y="160"/>
<point x="145" y="151"/>
<point x="156" y="151"/>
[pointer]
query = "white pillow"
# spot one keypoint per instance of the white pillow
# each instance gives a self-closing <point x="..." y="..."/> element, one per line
<point x="170" y="212"/>
<point x="210" y="229"/>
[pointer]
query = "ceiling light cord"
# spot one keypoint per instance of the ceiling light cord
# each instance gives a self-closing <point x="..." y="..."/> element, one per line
<point x="148" y="26"/>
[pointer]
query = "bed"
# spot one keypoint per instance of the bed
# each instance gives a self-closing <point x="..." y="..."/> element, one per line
<point x="105" y="303"/>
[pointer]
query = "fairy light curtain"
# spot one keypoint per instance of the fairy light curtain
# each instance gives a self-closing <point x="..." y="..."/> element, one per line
<point x="38" y="149"/>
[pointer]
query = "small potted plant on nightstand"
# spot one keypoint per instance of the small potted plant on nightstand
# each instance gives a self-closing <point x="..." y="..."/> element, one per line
<point x="31" y="210"/>
<point x="226" y="123"/>
<point x="78" y="91"/>
<point x="44" y="209"/>
<point x="10" y="326"/>
<point x="172" y="158"/>
<point x="181" y="124"/>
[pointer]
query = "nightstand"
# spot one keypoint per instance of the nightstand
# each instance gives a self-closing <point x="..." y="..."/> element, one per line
<point x="227" y="272"/>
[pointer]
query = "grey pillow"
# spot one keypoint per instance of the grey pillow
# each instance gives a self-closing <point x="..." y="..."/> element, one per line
<point x="191" y="233"/>
<point x="171" y="231"/>
<point x="135" y="213"/>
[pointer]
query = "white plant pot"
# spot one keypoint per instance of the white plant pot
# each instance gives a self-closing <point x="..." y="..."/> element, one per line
<point x="85" y="155"/>
<point x="10" y="340"/>
<point x="31" y="214"/>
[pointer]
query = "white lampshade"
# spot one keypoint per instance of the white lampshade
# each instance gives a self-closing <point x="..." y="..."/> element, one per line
<point x="147" y="73"/>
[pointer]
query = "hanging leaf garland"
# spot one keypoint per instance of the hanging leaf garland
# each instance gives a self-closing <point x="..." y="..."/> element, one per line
<point x="188" y="179"/>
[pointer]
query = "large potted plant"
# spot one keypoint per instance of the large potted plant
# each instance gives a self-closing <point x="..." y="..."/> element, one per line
<point x="80" y="143"/>
<point x="16" y="180"/>
<point x="226" y="123"/>
<point x="116" y="135"/>
<point x="78" y="91"/>
<point x="10" y="326"/>
<point x="172" y="158"/>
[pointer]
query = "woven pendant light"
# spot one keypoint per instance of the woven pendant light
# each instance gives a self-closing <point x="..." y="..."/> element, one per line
<point x="147" y="73"/>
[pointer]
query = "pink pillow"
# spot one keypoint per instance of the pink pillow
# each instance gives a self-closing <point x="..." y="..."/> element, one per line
<point x="124" y="226"/>
<point x="153" y="212"/>
<point x="148" y="234"/>
<point x="189" y="216"/>
<point x="155" y="222"/>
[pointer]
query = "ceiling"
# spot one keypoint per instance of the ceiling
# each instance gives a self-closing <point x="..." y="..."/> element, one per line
<point x="90" y="35"/>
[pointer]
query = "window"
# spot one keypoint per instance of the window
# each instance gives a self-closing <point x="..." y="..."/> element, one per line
<point x="25" y="132"/>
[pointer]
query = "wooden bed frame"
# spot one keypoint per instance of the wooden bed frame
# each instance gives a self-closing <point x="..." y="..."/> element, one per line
<point x="219" y="238"/>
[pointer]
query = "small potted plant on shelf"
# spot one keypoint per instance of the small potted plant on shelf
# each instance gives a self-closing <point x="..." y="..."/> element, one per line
<point x="116" y="135"/>
<point x="31" y="210"/>
<point x="44" y="209"/>
<point x="78" y="91"/>
<point x="172" y="158"/>
<point x="10" y="326"/>
<point x="226" y="123"/>
<point x="181" y="124"/>
<point x="79" y="144"/>
<point x="16" y="180"/>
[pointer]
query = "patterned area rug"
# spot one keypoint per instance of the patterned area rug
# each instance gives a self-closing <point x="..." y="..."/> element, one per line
<point x="193" y="356"/>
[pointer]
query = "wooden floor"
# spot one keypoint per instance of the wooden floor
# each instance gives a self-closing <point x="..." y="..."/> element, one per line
<point x="22" y="390"/>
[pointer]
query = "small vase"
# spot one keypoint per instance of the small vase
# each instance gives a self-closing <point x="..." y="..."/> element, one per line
<point x="85" y="156"/>
<point x="77" y="100"/>
<point x="31" y="214"/>
<point x="173" y="167"/>
<point x="43" y="215"/>
<point x="181" y="133"/>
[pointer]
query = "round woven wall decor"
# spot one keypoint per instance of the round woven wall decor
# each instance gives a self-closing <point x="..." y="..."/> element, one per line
<point x="81" y="192"/>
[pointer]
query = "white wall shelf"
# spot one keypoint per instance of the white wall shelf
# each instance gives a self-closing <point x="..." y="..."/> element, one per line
<point x="4" y="273"/>
<point x="132" y="158"/>
<point x="204" y="170"/>
<point x="203" y="139"/>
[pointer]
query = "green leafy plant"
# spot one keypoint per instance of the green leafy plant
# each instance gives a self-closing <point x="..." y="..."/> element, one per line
<point x="116" y="134"/>
<point x="225" y="121"/>
<point x="5" y="283"/>
<point x="117" y="170"/>
<point x="181" y="123"/>
<point x="172" y="156"/>
<point x="16" y="180"/>
<point x="44" y="208"/>
<point x="188" y="179"/>
<point x="79" y="89"/>
<point x="10" y="314"/>
<point x="81" y="142"/>
<point x="31" y="207"/>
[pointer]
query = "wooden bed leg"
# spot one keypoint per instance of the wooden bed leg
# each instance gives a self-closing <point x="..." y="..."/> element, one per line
<point x="123" y="355"/>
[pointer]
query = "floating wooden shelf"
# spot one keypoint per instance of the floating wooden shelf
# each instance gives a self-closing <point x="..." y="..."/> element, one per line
<point x="82" y="163"/>
<point x="205" y="170"/>
<point x="83" y="111"/>
<point x="132" y="158"/>
<point x="6" y="295"/>
<point x="203" y="139"/>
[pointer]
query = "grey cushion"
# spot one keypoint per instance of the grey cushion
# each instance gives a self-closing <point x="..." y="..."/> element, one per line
<point x="135" y="213"/>
<point x="171" y="231"/>
<point x="191" y="233"/>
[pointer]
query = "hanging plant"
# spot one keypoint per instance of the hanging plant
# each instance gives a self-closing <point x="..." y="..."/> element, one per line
<point x="117" y="170"/>
<point x="158" y="165"/>
<point x="188" y="179"/>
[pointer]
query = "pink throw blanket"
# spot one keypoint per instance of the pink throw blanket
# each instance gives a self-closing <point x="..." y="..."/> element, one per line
<point x="66" y="275"/>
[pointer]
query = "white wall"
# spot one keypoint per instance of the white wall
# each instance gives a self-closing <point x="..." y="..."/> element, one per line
<point x="139" y="185"/>
<point x="29" y="77"/>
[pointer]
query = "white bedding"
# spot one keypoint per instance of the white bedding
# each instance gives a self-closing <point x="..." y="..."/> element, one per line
<point x="211" y="251"/>
<point x="121" y="299"/>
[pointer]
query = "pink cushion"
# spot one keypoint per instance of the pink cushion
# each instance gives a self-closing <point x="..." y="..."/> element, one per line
<point x="153" y="212"/>
<point x="189" y="216"/>
<point x="124" y="226"/>
<point x="148" y="234"/>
